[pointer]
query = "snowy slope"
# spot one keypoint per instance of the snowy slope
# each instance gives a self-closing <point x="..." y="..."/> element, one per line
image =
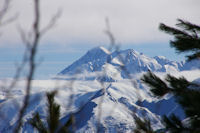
<point x="118" y="100"/>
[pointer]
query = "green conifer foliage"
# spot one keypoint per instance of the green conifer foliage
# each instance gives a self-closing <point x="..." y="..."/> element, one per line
<point x="53" y="117"/>
<point x="187" y="94"/>
<point x="186" y="38"/>
<point x="143" y="126"/>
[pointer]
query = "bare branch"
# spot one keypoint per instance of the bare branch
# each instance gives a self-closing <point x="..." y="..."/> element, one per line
<point x="52" y="22"/>
<point x="31" y="63"/>
<point x="18" y="73"/>
<point x="3" y="12"/>
<point x="9" y="20"/>
<point x="109" y="34"/>
<point x="24" y="37"/>
<point x="115" y="46"/>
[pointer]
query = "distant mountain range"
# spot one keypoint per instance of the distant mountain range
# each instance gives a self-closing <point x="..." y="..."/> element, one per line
<point x="124" y="62"/>
<point x="107" y="105"/>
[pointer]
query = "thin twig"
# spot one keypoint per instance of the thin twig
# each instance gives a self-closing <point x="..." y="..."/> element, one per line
<point x="31" y="64"/>
<point x="115" y="46"/>
<point x="51" y="23"/>
<point x="4" y="11"/>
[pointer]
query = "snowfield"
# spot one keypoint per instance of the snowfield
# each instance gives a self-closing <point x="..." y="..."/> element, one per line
<point x="99" y="93"/>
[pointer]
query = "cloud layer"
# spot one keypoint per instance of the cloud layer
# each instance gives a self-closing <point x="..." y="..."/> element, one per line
<point x="132" y="21"/>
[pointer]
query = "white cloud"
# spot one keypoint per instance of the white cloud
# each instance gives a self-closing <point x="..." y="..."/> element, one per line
<point x="132" y="21"/>
<point x="189" y="75"/>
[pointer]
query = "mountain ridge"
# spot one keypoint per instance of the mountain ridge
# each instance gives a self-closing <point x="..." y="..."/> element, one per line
<point x="99" y="58"/>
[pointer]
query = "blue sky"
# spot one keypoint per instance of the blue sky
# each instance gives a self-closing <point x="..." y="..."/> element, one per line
<point x="81" y="27"/>
<point x="52" y="58"/>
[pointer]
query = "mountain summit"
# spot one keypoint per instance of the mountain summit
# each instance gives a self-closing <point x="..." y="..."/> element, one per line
<point x="91" y="61"/>
<point x="99" y="58"/>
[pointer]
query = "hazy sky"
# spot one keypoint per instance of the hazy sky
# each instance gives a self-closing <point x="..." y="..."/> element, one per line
<point x="81" y="27"/>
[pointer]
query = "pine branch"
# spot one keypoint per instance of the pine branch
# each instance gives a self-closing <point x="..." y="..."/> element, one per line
<point x="66" y="126"/>
<point x="187" y="25"/>
<point x="53" y="112"/>
<point x="173" y="31"/>
<point x="174" y="124"/>
<point x="179" y="85"/>
<point x="194" y="56"/>
<point x="186" y="39"/>
<point x="37" y="123"/>
<point x="53" y="118"/>
<point x="184" y="44"/>
<point x="142" y="126"/>
<point x="158" y="87"/>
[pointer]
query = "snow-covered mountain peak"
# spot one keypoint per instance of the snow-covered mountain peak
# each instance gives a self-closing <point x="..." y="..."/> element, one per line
<point x="98" y="58"/>
<point x="92" y="61"/>
<point x="99" y="51"/>
<point x="160" y="57"/>
<point x="125" y="53"/>
<point x="130" y="52"/>
<point x="161" y="60"/>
